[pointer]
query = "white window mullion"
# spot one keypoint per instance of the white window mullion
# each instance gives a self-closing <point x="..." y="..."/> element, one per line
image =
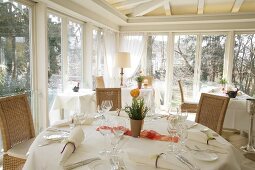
<point x="169" y="70"/>
<point x="64" y="47"/>
<point x="229" y="57"/>
<point x="197" y="68"/>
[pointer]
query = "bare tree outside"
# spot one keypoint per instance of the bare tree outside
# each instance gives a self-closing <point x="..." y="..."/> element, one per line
<point x="243" y="75"/>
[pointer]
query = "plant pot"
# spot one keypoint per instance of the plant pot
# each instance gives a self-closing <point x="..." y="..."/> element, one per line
<point x="136" y="127"/>
<point x="139" y="85"/>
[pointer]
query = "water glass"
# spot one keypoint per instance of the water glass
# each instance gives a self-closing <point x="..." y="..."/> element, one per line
<point x="105" y="129"/>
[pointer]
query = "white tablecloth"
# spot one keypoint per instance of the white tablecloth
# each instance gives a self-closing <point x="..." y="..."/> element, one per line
<point x="47" y="157"/>
<point x="84" y="101"/>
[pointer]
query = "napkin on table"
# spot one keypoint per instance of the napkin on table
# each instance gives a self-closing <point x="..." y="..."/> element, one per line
<point x="141" y="157"/>
<point x="202" y="137"/>
<point x="72" y="143"/>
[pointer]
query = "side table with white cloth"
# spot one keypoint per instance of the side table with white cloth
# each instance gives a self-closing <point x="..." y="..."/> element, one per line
<point x="138" y="153"/>
<point x="81" y="102"/>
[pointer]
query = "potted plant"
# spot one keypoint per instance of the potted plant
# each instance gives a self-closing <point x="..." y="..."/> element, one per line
<point x="136" y="112"/>
<point x="223" y="82"/>
<point x="139" y="80"/>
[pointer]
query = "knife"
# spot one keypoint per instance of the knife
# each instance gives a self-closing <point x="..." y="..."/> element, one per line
<point x="81" y="163"/>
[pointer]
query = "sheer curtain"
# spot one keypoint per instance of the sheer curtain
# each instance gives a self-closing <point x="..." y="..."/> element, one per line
<point x="110" y="71"/>
<point x="135" y="44"/>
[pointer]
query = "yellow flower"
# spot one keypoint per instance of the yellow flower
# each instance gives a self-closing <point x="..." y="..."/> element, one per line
<point x="135" y="93"/>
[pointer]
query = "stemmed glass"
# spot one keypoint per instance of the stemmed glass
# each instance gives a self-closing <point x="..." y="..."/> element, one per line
<point x="105" y="129"/>
<point x="182" y="132"/>
<point x="106" y="105"/>
<point x="173" y="121"/>
<point x="118" y="130"/>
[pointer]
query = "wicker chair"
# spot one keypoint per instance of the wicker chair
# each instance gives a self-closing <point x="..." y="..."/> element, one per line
<point x="211" y="111"/>
<point x="113" y="94"/>
<point x="17" y="130"/>
<point x="100" y="82"/>
<point x="150" y="80"/>
<point x="187" y="105"/>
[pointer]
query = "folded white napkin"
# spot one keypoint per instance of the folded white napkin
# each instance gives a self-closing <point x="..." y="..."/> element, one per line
<point x="72" y="143"/>
<point x="202" y="137"/>
<point x="150" y="159"/>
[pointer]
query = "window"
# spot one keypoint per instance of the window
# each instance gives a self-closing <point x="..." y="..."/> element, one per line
<point x="65" y="56"/>
<point x="97" y="54"/>
<point x="55" y="79"/>
<point x="74" y="73"/>
<point x="243" y="74"/>
<point x="183" y="66"/>
<point x="156" y="61"/>
<point x="15" y="49"/>
<point x="212" y="59"/>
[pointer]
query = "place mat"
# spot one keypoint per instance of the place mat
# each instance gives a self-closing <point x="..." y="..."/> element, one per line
<point x="148" y="134"/>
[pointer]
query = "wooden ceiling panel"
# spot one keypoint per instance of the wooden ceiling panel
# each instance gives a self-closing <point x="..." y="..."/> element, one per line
<point x="248" y="6"/>
<point x="184" y="10"/>
<point x="157" y="12"/>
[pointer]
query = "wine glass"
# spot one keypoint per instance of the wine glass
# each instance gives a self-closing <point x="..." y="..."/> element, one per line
<point x="105" y="129"/>
<point x="106" y="105"/>
<point x="172" y="130"/>
<point x="118" y="129"/>
<point x="182" y="132"/>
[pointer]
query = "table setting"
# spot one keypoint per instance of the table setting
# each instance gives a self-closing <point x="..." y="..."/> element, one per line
<point x="136" y="153"/>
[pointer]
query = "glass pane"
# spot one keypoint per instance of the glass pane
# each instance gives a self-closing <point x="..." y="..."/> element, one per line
<point x="15" y="49"/>
<point x="212" y="60"/>
<point x="55" y="82"/>
<point x="97" y="66"/>
<point x="243" y="75"/>
<point x="156" y="62"/>
<point x="15" y="59"/>
<point x="74" y="74"/>
<point x="183" y="67"/>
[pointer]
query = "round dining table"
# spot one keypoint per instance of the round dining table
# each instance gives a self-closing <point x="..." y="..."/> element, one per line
<point x="136" y="153"/>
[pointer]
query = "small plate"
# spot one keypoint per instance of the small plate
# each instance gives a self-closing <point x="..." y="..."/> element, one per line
<point x="56" y="136"/>
<point x="205" y="156"/>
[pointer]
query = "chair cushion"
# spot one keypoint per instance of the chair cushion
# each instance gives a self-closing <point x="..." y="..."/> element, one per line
<point x="20" y="150"/>
<point x="191" y="102"/>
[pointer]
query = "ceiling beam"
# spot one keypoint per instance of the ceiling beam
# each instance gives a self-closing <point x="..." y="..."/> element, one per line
<point x="145" y="8"/>
<point x="110" y="9"/>
<point x="167" y="7"/>
<point x="237" y="5"/>
<point x="200" y="6"/>
<point x="129" y="3"/>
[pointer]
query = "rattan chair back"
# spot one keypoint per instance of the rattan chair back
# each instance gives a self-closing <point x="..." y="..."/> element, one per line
<point x="211" y="111"/>
<point x="16" y="127"/>
<point x="113" y="94"/>
<point x="15" y="120"/>
<point x="100" y="82"/>
<point x="185" y="105"/>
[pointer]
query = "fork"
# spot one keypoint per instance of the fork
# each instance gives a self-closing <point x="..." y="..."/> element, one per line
<point x="186" y="162"/>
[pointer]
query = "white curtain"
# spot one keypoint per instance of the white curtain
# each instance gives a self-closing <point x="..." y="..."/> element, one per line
<point x="135" y="44"/>
<point x="110" y="71"/>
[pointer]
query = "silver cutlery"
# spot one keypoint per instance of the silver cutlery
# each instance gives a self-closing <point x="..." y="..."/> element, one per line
<point x="193" y="125"/>
<point x="58" y="130"/>
<point x="207" y="150"/>
<point x="81" y="163"/>
<point x="186" y="162"/>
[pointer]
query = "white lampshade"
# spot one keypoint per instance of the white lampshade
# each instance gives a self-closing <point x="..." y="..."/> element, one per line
<point x="123" y="60"/>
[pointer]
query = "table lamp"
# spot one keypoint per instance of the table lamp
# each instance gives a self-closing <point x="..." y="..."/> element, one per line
<point x="123" y="61"/>
<point x="250" y="106"/>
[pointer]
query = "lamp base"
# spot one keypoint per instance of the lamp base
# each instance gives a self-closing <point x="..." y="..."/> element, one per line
<point x="248" y="148"/>
<point x="121" y="77"/>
